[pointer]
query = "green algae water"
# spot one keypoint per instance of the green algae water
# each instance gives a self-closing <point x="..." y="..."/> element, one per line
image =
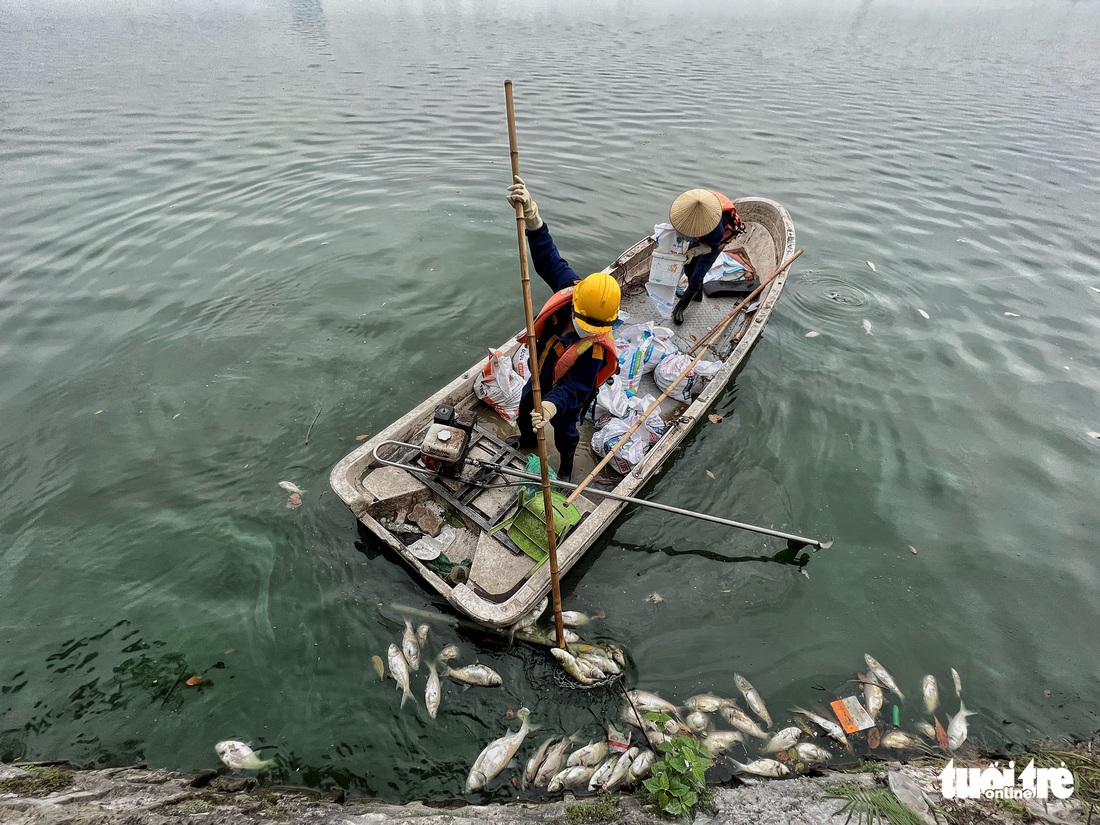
<point x="226" y="224"/>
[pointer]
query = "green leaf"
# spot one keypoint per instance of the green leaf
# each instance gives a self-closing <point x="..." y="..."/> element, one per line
<point x="662" y="781"/>
<point x="652" y="785"/>
<point x="674" y="808"/>
<point x="689" y="800"/>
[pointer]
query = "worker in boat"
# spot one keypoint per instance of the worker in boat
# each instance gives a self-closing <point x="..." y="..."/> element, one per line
<point x="573" y="335"/>
<point x="711" y="219"/>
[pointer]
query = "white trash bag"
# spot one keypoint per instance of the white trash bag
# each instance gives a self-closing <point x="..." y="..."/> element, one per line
<point x="500" y="386"/>
<point x="521" y="362"/>
<point x="612" y="401"/>
<point x="654" y="426"/>
<point x="692" y="383"/>
<point x="605" y="439"/>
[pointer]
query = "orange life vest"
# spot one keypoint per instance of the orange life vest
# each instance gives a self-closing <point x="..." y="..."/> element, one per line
<point x="734" y="225"/>
<point x="602" y="344"/>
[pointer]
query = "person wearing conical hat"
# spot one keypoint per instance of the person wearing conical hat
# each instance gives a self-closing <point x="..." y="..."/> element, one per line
<point x="573" y="339"/>
<point x="711" y="220"/>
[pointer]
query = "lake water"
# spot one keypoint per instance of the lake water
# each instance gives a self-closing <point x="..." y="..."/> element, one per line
<point x="220" y="221"/>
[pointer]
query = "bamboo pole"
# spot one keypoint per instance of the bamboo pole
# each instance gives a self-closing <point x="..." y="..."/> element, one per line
<point x="536" y="390"/>
<point x="715" y="333"/>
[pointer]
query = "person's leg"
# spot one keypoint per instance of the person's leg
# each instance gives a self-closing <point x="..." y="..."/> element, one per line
<point x="566" y="439"/>
<point x="694" y="291"/>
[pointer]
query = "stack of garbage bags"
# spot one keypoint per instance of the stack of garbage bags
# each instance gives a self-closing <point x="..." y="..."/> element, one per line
<point x="643" y="349"/>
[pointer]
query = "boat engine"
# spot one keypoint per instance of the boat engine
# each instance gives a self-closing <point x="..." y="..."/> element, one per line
<point x="447" y="439"/>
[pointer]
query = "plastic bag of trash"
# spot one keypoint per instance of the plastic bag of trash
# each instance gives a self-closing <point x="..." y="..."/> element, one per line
<point x="499" y="386"/>
<point x="692" y="384"/>
<point x="653" y="343"/>
<point x="521" y="362"/>
<point x="654" y="426"/>
<point x="611" y="401"/>
<point x="605" y="439"/>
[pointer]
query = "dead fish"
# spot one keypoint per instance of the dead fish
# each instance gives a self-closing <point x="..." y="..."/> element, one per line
<point x="535" y="762"/>
<point x="812" y="334"/>
<point x="432" y="691"/>
<point x="410" y="647"/>
<point x="900" y="741"/>
<point x="956" y="729"/>
<point x="379" y="666"/>
<point x="574" y="618"/>
<point x="291" y="487"/>
<point x="480" y="675"/>
<point x="589" y="756"/>
<point x="923" y="314"/>
<point x="1012" y="315"/>
<point x="641" y="765"/>
<point x="240" y="757"/>
<point x="570" y="777"/>
<point x="872" y="266"/>
<point x="582" y="671"/>
<point x="647" y="702"/>
<point x="602" y="774"/>
<point x="926" y="730"/>
<point x="881" y="675"/>
<point x="784" y="740"/>
<point x="722" y="740"/>
<point x="622" y="768"/>
<point x="654" y="598"/>
<point x="931" y="692"/>
<point x="552" y="764"/>
<point x="872" y="695"/>
<point x="697" y="722"/>
<point x="958" y="682"/>
<point x="812" y="754"/>
<point x="706" y="703"/>
<point x="831" y="728"/>
<point x="752" y="699"/>
<point x="399" y="670"/>
<point x="867" y="327"/>
<point x="422" y="635"/>
<point x="448" y="653"/>
<point x="740" y="720"/>
<point x="762" y="767"/>
<point x="496" y="755"/>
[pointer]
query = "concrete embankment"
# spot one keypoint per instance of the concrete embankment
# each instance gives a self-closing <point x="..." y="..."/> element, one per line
<point x="57" y="795"/>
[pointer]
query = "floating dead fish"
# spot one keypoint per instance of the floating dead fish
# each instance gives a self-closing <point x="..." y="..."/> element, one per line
<point x="740" y="720"/>
<point x="639" y="768"/>
<point x="422" y="635"/>
<point x="570" y="777"/>
<point x="552" y="763"/>
<point x="480" y="675"/>
<point x="697" y="722"/>
<point x="535" y="762"/>
<point x="706" y="703"/>
<point x="900" y="741"/>
<point x="575" y="618"/>
<point x="1094" y="289"/>
<point x="496" y="755"/>
<point x="881" y="675"/>
<point x="762" y="767"/>
<point x="812" y="334"/>
<point x="602" y="774"/>
<point x="1094" y="435"/>
<point x="580" y="669"/>
<point x="410" y="647"/>
<point x="647" y="702"/>
<point x="621" y="769"/>
<point x="872" y="696"/>
<point x="831" y="728"/>
<point x="784" y="740"/>
<point x="926" y="730"/>
<point x="448" y="653"/>
<point x="1011" y="315"/>
<point x="811" y="754"/>
<point x="752" y="699"/>
<point x="654" y="598"/>
<point x="931" y="692"/>
<point x="718" y="741"/>
<point x="867" y="327"/>
<point x="399" y="670"/>
<point x="956" y="729"/>
<point x="872" y="266"/>
<point x="432" y="691"/>
<point x="958" y="682"/>
<point x="379" y="666"/>
<point x="923" y="314"/>
<point x="240" y="757"/>
<point x="291" y="487"/>
<point x="589" y="756"/>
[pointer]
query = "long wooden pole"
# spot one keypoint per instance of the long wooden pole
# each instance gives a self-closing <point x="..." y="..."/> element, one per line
<point x="714" y="333"/>
<point x="536" y="390"/>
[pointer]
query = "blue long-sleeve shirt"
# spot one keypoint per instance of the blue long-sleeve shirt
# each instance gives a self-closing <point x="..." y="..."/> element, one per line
<point x="574" y="388"/>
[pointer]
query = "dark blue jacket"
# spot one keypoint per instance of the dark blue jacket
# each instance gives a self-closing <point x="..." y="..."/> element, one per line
<point x="699" y="266"/>
<point x="574" y="388"/>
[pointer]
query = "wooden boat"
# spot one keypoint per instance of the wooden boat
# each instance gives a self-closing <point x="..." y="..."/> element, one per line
<point x="501" y="585"/>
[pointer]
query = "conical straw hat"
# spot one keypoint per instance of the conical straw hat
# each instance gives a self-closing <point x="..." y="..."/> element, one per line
<point x="695" y="213"/>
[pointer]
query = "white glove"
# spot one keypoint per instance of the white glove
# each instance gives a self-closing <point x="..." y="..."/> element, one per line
<point x="517" y="193"/>
<point x="540" y="419"/>
<point x="696" y="251"/>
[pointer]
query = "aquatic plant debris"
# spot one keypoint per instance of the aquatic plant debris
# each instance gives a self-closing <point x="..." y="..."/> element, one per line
<point x="361" y="437"/>
<point x="379" y="666"/>
<point x="714" y="418"/>
<point x="295" y="500"/>
<point x="812" y="334"/>
<point x="195" y="680"/>
<point x="872" y="266"/>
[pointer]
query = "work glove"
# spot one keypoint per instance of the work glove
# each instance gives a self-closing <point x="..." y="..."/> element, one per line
<point x="517" y="193"/>
<point x="540" y="419"/>
<point x="696" y="251"/>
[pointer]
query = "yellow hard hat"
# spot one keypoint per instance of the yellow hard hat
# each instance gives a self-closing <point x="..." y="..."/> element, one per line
<point x="596" y="302"/>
